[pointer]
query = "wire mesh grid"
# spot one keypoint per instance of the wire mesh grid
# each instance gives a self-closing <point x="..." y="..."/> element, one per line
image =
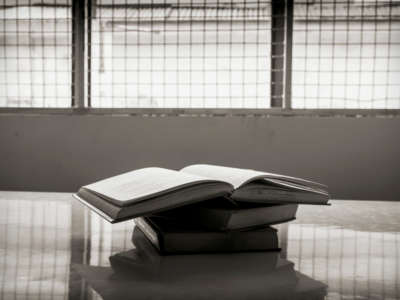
<point x="35" y="238"/>
<point x="184" y="54"/>
<point x="201" y="54"/>
<point x="346" y="54"/>
<point x="35" y="53"/>
<point x="354" y="263"/>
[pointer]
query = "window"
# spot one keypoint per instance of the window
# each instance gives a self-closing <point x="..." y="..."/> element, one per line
<point x="293" y="54"/>
<point x="346" y="54"/>
<point x="205" y="55"/>
<point x="35" y="55"/>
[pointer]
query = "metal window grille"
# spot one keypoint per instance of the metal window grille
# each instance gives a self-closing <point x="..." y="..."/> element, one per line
<point x="185" y="54"/>
<point x="200" y="54"/>
<point x="35" y="53"/>
<point x="346" y="54"/>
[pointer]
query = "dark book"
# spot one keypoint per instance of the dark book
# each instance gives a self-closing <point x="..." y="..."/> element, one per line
<point x="150" y="190"/>
<point x="225" y="214"/>
<point x="171" y="238"/>
<point x="149" y="253"/>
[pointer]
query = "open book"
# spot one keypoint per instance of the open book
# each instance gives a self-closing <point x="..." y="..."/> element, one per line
<point x="149" y="190"/>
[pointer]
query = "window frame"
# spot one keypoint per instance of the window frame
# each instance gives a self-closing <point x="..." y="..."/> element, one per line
<point x="282" y="75"/>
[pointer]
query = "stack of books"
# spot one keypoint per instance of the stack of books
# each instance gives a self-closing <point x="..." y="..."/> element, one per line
<point x="203" y="208"/>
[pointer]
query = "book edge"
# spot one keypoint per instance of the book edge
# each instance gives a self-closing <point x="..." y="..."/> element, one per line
<point x="95" y="209"/>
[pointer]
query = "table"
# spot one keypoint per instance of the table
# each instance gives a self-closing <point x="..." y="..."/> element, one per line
<point x="52" y="247"/>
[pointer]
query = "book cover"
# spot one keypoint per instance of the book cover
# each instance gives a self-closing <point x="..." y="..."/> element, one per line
<point x="171" y="238"/>
<point x="224" y="214"/>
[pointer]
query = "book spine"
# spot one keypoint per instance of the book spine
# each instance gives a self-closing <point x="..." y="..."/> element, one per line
<point x="262" y="216"/>
<point x="255" y="241"/>
<point x="209" y="218"/>
<point x="106" y="210"/>
<point x="149" y="232"/>
<point x="278" y="196"/>
<point x="230" y="241"/>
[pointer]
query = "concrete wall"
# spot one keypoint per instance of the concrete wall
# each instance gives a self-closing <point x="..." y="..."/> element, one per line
<point x="357" y="157"/>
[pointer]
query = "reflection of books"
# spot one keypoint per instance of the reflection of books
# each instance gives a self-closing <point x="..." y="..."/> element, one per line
<point x="217" y="276"/>
<point x="149" y="190"/>
<point x="207" y="276"/>
<point x="264" y="264"/>
<point x="220" y="261"/>
<point x="225" y="214"/>
<point x="142" y="273"/>
<point x="307" y="288"/>
<point x="171" y="238"/>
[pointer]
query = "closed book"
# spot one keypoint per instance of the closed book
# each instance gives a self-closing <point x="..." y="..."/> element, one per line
<point x="224" y="214"/>
<point x="171" y="238"/>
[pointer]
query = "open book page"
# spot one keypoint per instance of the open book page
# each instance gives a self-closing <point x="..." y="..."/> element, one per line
<point x="238" y="177"/>
<point x="295" y="186"/>
<point x="234" y="176"/>
<point x="300" y="181"/>
<point x="139" y="184"/>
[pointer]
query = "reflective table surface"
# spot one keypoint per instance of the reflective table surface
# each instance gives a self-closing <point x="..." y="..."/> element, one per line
<point x="52" y="247"/>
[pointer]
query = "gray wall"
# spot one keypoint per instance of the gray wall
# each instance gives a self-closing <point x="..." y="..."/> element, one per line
<point x="357" y="157"/>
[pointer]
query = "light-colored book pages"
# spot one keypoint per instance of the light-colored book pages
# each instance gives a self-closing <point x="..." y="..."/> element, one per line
<point x="140" y="184"/>
<point x="235" y="176"/>
<point x="295" y="186"/>
<point x="238" y="177"/>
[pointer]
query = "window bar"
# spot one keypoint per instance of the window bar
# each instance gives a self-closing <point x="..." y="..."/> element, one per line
<point x="191" y="51"/>
<point x="177" y="43"/>
<point x="360" y="56"/>
<point x="78" y="58"/>
<point x="217" y="51"/>
<point x="91" y="6"/>
<point x="18" y="55"/>
<point x="346" y="74"/>
<point x="288" y="54"/>
<point x="258" y="54"/>
<point x="110" y="46"/>
<point x="55" y="46"/>
<point x="389" y="56"/>
<point x="277" y="51"/>
<point x="42" y="67"/>
<point x="138" y="59"/>
<point x="164" y="55"/>
<point x="375" y="42"/>
<point x="244" y="54"/>
<point x="334" y="55"/>
<point x="5" y="70"/>
<point x="126" y="51"/>
<point x="31" y="58"/>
